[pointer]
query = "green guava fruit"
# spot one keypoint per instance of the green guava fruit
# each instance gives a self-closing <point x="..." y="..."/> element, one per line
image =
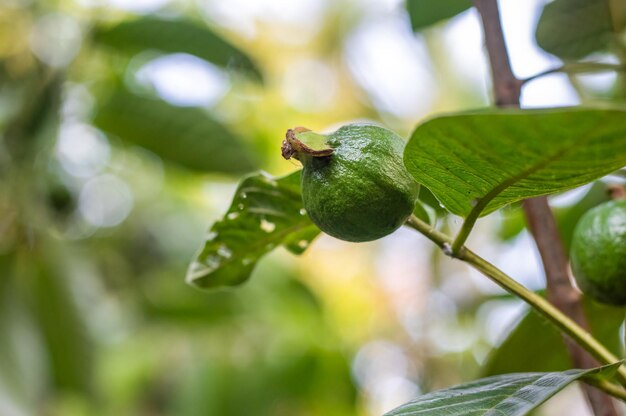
<point x="598" y="254"/>
<point x="354" y="184"/>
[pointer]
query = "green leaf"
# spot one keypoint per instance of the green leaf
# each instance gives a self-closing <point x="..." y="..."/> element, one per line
<point x="186" y="136"/>
<point x="171" y="36"/>
<point x="266" y="212"/>
<point x="535" y="345"/>
<point x="508" y="394"/>
<point x="573" y="29"/>
<point x="295" y="242"/>
<point x="477" y="163"/>
<point x="424" y="13"/>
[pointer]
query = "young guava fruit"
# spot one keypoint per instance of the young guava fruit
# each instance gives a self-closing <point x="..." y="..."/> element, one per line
<point x="598" y="254"/>
<point x="354" y="184"/>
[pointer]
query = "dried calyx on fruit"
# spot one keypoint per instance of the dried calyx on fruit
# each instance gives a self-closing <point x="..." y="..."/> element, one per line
<point x="354" y="184"/>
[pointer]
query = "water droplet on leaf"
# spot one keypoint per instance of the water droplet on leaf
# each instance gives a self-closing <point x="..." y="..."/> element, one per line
<point x="224" y="251"/>
<point x="267" y="226"/>
<point x="212" y="262"/>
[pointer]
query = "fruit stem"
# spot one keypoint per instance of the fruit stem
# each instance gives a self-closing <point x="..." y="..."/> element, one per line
<point x="539" y="304"/>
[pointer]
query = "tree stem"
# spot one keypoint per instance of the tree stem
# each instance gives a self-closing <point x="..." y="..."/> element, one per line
<point x="609" y="388"/>
<point x="541" y="222"/>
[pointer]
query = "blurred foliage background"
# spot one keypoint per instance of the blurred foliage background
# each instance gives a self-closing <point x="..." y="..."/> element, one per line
<point x="126" y="125"/>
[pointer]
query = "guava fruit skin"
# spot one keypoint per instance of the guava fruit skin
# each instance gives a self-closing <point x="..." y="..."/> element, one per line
<point x="598" y="253"/>
<point x="362" y="191"/>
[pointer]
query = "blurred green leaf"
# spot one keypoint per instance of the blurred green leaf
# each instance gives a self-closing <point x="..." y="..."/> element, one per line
<point x="535" y="345"/>
<point x="476" y="163"/>
<point x="15" y="390"/>
<point x="187" y="136"/>
<point x="508" y="394"/>
<point x="265" y="388"/>
<point x="265" y="213"/>
<point x="171" y="36"/>
<point x="511" y="223"/>
<point x="424" y="13"/>
<point x="63" y="330"/>
<point x="426" y="197"/>
<point x="179" y="307"/>
<point x="573" y="29"/>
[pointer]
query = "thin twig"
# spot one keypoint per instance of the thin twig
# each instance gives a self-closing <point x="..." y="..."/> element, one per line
<point x="538" y="214"/>
<point x="577" y="67"/>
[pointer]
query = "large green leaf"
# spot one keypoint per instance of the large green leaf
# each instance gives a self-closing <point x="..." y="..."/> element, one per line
<point x="477" y="163"/>
<point x="266" y="212"/>
<point x="170" y="36"/>
<point x="573" y="29"/>
<point x="547" y="350"/>
<point x="424" y="13"/>
<point x="509" y="394"/>
<point x="187" y="136"/>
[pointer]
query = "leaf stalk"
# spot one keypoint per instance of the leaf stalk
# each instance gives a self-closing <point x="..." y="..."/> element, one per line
<point x="538" y="303"/>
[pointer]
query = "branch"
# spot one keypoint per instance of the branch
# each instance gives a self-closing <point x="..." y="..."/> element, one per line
<point x="577" y="67"/>
<point x="506" y="87"/>
<point x="538" y="214"/>
<point x="539" y="304"/>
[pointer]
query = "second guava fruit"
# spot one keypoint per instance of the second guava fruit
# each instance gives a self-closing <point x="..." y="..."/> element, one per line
<point x="598" y="253"/>
<point x="355" y="187"/>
